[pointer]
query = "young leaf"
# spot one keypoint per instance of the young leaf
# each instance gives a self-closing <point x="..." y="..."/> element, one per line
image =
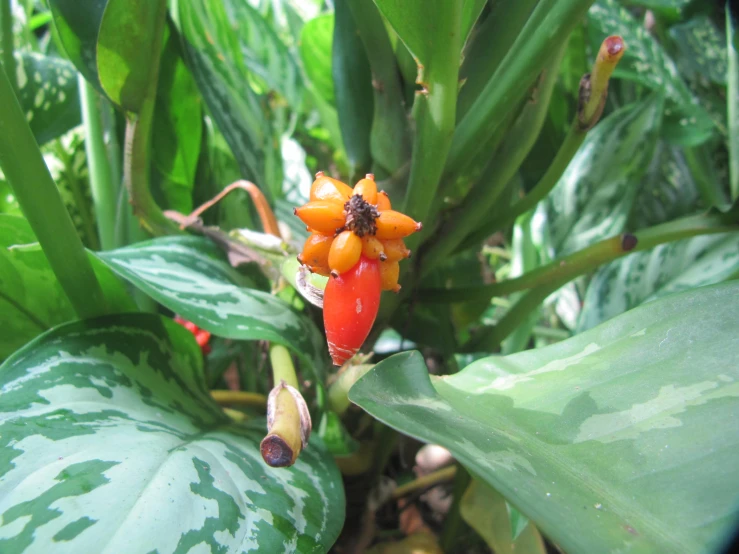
<point x="190" y="276"/>
<point x="596" y="438"/>
<point x="111" y="421"/>
<point x="315" y="52"/>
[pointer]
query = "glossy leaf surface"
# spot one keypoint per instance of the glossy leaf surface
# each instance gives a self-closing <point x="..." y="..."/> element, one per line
<point x="111" y="441"/>
<point x="190" y="276"/>
<point x="596" y="439"/>
<point x="315" y="52"/>
<point x="48" y="94"/>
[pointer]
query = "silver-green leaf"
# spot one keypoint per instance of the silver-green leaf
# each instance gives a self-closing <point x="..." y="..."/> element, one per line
<point x="110" y="442"/>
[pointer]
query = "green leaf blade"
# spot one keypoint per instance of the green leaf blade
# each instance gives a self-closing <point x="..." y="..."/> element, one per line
<point x="117" y="408"/>
<point x="189" y="276"/>
<point x="595" y="438"/>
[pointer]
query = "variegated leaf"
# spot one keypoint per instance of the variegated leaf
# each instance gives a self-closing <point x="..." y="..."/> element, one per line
<point x="644" y="276"/>
<point x="594" y="196"/>
<point x="620" y="439"/>
<point x="111" y="443"/>
<point x="189" y="275"/>
<point x="48" y="93"/>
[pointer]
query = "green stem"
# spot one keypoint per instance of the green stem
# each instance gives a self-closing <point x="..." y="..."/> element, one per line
<point x="516" y="73"/>
<point x="434" y="112"/>
<point x="501" y="169"/>
<point x="282" y="366"/>
<point x="6" y="41"/>
<point x="562" y="270"/>
<point x="76" y="189"/>
<point x="104" y="189"/>
<point x="566" y="152"/>
<point x="454" y="523"/>
<point x="42" y="205"/>
<point x="705" y="177"/>
<point x="137" y="159"/>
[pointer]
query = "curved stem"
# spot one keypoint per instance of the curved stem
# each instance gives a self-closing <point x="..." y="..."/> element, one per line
<point x="42" y="205"/>
<point x="430" y="480"/>
<point x="137" y="159"/>
<point x="562" y="270"/>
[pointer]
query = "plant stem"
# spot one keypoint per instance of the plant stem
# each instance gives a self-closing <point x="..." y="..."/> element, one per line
<point x="137" y="159"/>
<point x="732" y="102"/>
<point x="104" y="189"/>
<point x="430" y="480"/>
<point x="338" y="392"/>
<point x="573" y="140"/>
<point x="516" y="73"/>
<point x="501" y="169"/>
<point x="560" y="271"/>
<point x="239" y="398"/>
<point x="454" y="522"/>
<point x="6" y="42"/>
<point x="282" y="365"/>
<point x="434" y="112"/>
<point x="42" y="205"/>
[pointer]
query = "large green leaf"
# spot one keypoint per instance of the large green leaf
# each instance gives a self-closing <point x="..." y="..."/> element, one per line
<point x="220" y="55"/>
<point x="594" y="196"/>
<point x="110" y="442"/>
<point x="78" y="28"/>
<point x="127" y="49"/>
<point x="31" y="298"/>
<point x="672" y="267"/>
<point x="622" y="438"/>
<point x="646" y="63"/>
<point x="701" y="48"/>
<point x="315" y="53"/>
<point x="352" y="82"/>
<point x="189" y="275"/>
<point x="178" y="128"/>
<point x="48" y="94"/>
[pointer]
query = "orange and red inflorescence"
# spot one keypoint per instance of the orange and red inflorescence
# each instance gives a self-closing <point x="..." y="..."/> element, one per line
<point x="356" y="239"/>
<point x="202" y="337"/>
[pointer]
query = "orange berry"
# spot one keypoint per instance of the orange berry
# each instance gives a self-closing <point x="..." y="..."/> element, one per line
<point x="315" y="251"/>
<point x="323" y="216"/>
<point x="395" y="225"/>
<point x="367" y="188"/>
<point x="389" y="274"/>
<point x="383" y="201"/>
<point x="345" y="251"/>
<point x="395" y="250"/>
<point x="372" y="247"/>
<point x="326" y="188"/>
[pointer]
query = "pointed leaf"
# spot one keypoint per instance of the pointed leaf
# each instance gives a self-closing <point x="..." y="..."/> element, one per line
<point x="189" y="275"/>
<point x="621" y="438"/>
<point x="111" y="441"/>
<point x="78" y="30"/>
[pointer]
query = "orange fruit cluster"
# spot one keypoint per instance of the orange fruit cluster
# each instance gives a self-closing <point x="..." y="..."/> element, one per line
<point x="347" y="223"/>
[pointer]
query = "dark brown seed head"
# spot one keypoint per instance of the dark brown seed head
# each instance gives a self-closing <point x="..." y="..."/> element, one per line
<point x="361" y="216"/>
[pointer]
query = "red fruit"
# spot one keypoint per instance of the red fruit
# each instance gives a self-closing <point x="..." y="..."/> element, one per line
<point x="350" y="305"/>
